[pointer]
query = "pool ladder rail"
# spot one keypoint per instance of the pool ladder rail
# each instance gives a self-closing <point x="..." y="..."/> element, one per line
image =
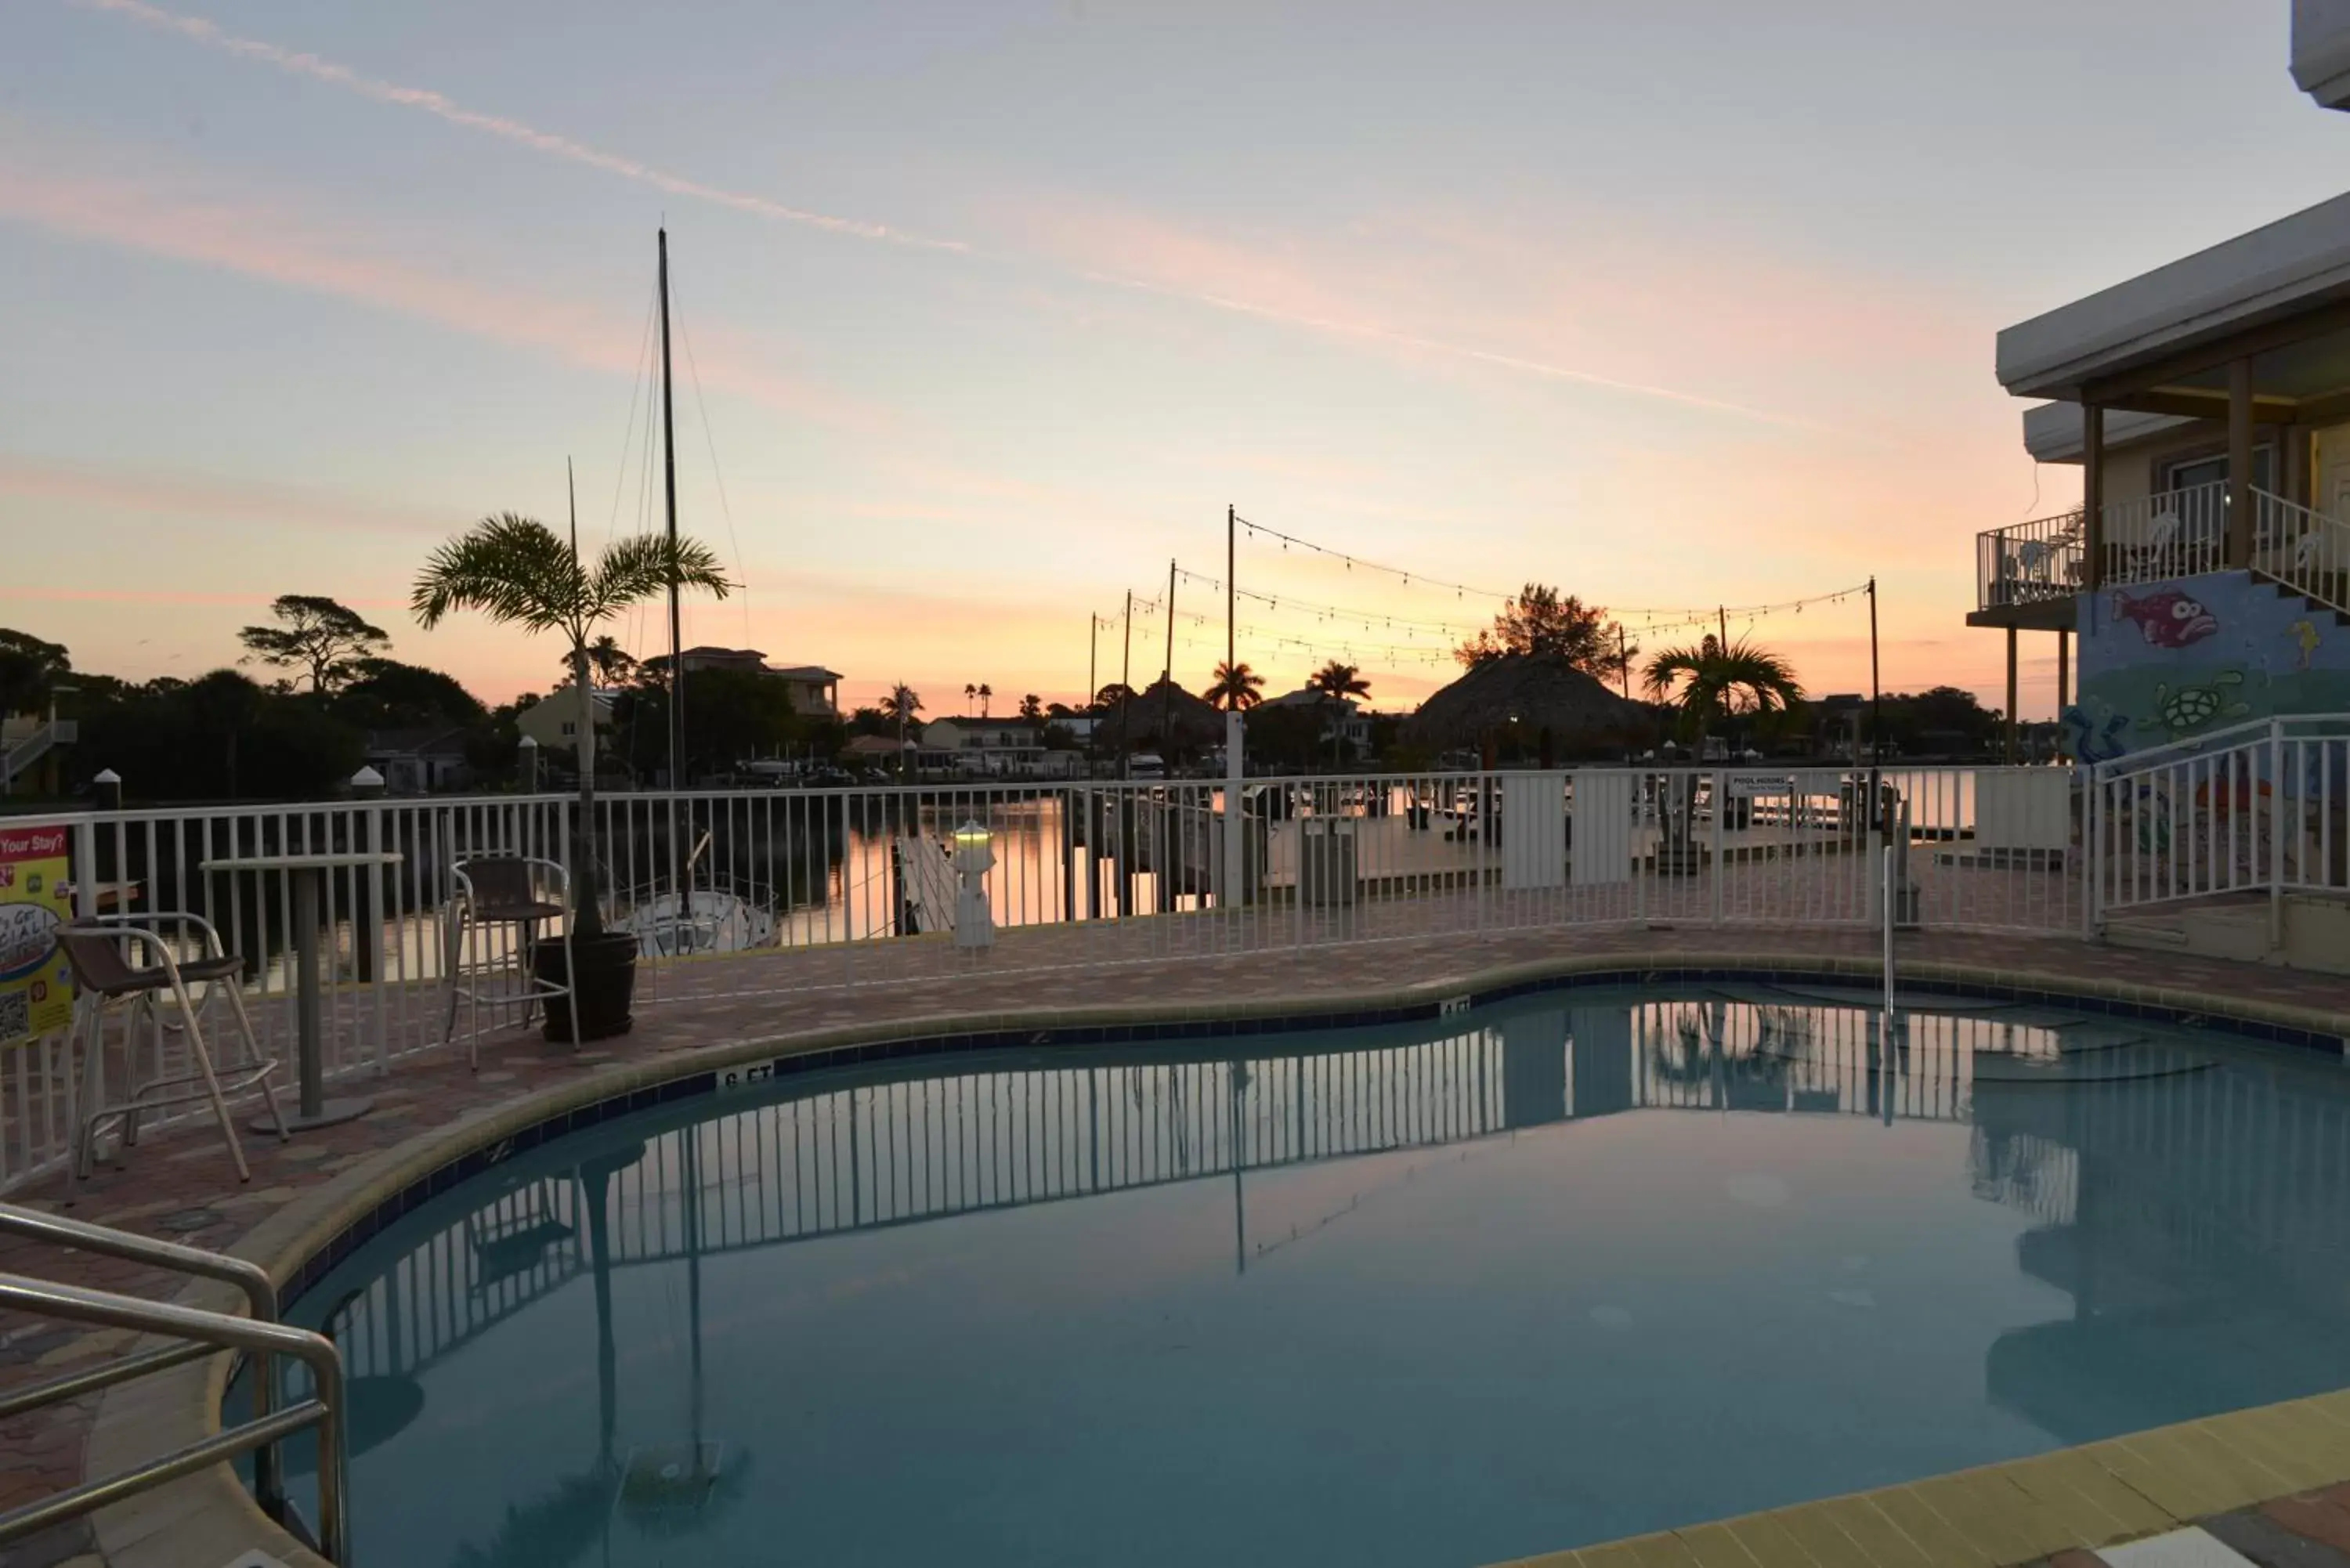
<point x="198" y="1333"/>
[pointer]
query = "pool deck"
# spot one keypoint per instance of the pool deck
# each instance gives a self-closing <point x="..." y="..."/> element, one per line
<point x="2270" y="1481"/>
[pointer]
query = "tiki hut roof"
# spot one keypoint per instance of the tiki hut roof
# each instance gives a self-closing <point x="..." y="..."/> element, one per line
<point x="1539" y="690"/>
<point x="1193" y="720"/>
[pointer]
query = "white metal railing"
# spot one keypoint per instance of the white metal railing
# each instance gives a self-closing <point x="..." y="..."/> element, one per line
<point x="2307" y="551"/>
<point x="2028" y="563"/>
<point x="2175" y="533"/>
<point x="778" y="890"/>
<point x="2254" y="807"/>
<point x="32" y="748"/>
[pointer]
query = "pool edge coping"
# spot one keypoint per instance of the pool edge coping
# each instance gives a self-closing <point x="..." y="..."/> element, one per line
<point x="312" y="1231"/>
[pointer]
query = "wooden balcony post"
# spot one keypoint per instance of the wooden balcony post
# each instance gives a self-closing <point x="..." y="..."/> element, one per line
<point x="2011" y="697"/>
<point x="2240" y="463"/>
<point x="2093" y="496"/>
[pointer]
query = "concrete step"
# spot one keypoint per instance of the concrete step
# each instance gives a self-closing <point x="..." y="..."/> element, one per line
<point x="2316" y="930"/>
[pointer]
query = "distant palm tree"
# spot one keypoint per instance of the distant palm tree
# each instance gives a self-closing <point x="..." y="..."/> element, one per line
<point x="1031" y="707"/>
<point x="1338" y="681"/>
<point x="986" y="695"/>
<point x="1235" y="686"/>
<point x="969" y="695"/>
<point x="612" y="662"/>
<point x="902" y="703"/>
<point x="1718" y="680"/>
<point x="515" y="570"/>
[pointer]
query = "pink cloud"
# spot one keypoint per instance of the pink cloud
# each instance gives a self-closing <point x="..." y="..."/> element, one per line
<point x="182" y="494"/>
<point x="57" y="594"/>
<point x="260" y="238"/>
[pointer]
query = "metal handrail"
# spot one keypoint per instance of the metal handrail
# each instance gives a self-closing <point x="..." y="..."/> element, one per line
<point x="217" y="1331"/>
<point x="261" y="1300"/>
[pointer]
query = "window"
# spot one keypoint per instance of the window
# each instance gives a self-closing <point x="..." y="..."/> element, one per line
<point x="570" y="727"/>
<point x="2214" y="470"/>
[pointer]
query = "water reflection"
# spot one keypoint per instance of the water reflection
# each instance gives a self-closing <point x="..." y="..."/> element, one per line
<point x="2186" y="1201"/>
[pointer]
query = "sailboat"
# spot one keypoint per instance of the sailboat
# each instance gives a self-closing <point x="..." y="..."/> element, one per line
<point x="683" y="919"/>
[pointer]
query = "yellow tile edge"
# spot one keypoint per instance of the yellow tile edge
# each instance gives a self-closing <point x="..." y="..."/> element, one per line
<point x="2019" y="1510"/>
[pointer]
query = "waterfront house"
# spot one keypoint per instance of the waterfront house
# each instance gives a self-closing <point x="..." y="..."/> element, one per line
<point x="420" y="759"/>
<point x="984" y="746"/>
<point x="554" y="722"/>
<point x="2207" y="403"/>
<point x="815" y="690"/>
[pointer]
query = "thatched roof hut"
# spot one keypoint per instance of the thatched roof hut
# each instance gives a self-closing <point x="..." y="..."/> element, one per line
<point x="1522" y="695"/>
<point x="1146" y="718"/>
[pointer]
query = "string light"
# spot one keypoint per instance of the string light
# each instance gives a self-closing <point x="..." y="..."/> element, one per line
<point x="1352" y="561"/>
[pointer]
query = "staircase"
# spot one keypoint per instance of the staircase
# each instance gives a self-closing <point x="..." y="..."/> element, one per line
<point x="2233" y="844"/>
<point x="18" y="759"/>
<point x="2305" y="552"/>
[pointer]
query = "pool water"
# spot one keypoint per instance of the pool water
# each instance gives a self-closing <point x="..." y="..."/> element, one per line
<point x="1432" y="1295"/>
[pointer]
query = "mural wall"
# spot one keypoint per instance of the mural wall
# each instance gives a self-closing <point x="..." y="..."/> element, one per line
<point x="2166" y="661"/>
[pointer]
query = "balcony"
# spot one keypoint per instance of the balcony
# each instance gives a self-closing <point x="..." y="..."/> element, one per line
<point x="2029" y="565"/>
<point x="2027" y="574"/>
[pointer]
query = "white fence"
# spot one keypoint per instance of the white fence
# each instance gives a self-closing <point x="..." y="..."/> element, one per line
<point x="790" y="890"/>
<point x="2255" y="807"/>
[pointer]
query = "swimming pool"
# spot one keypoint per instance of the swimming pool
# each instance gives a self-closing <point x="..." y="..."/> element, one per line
<point x="1442" y="1293"/>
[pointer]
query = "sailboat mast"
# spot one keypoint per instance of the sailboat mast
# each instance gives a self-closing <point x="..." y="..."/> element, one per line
<point x="669" y="493"/>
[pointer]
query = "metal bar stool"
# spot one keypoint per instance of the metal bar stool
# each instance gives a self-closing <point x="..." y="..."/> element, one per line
<point x="100" y="953"/>
<point x="490" y="892"/>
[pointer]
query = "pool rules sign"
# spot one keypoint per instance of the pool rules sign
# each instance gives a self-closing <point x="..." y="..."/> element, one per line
<point x="35" y="997"/>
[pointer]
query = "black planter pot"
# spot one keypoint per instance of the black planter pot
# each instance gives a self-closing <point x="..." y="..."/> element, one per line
<point x="604" y="987"/>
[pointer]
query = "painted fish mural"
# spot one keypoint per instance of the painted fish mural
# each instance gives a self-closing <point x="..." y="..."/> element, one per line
<point x="2167" y="619"/>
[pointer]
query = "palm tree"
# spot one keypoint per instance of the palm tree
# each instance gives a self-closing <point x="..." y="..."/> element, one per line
<point x="1337" y="682"/>
<point x="986" y="695"/>
<point x="1714" y="680"/>
<point x="1235" y="686"/>
<point x="902" y="703"/>
<point x="1718" y="680"/>
<point x="1031" y="707"/>
<point x="612" y="661"/>
<point x="969" y="695"/>
<point x="516" y="571"/>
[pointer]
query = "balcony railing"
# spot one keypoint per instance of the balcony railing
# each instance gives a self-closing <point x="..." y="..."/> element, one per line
<point x="2306" y="551"/>
<point x="2175" y="533"/>
<point x="2028" y="563"/>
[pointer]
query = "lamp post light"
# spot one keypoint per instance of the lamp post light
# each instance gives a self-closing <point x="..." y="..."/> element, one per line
<point x="974" y="855"/>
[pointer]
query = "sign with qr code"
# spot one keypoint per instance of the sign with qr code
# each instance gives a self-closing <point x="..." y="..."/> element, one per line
<point x="36" y="994"/>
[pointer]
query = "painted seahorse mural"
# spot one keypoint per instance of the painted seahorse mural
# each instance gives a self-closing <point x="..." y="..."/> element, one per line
<point x="2305" y="641"/>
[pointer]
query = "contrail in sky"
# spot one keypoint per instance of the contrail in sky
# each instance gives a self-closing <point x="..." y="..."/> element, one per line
<point x="1482" y="356"/>
<point x="296" y="63"/>
<point x="302" y="64"/>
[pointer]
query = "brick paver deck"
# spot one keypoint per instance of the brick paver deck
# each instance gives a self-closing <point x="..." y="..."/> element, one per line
<point x="178" y="1182"/>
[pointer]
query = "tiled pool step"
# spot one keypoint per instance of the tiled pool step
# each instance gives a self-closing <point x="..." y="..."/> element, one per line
<point x="2269" y="1486"/>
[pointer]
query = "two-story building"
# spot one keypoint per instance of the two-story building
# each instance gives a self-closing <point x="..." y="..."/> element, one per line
<point x="990" y="746"/>
<point x="2206" y="573"/>
<point x="815" y="690"/>
<point x="554" y="722"/>
<point x="1343" y="721"/>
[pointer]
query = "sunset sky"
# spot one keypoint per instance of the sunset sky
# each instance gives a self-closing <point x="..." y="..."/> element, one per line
<point x="992" y="308"/>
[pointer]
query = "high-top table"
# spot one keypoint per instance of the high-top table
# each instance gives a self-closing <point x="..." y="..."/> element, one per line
<point x="307" y="873"/>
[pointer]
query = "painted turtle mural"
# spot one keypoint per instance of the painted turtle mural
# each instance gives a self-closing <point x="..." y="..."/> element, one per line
<point x="2184" y="709"/>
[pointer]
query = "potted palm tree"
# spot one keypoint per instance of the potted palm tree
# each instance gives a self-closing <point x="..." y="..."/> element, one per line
<point x="1711" y="681"/>
<point x="515" y="570"/>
